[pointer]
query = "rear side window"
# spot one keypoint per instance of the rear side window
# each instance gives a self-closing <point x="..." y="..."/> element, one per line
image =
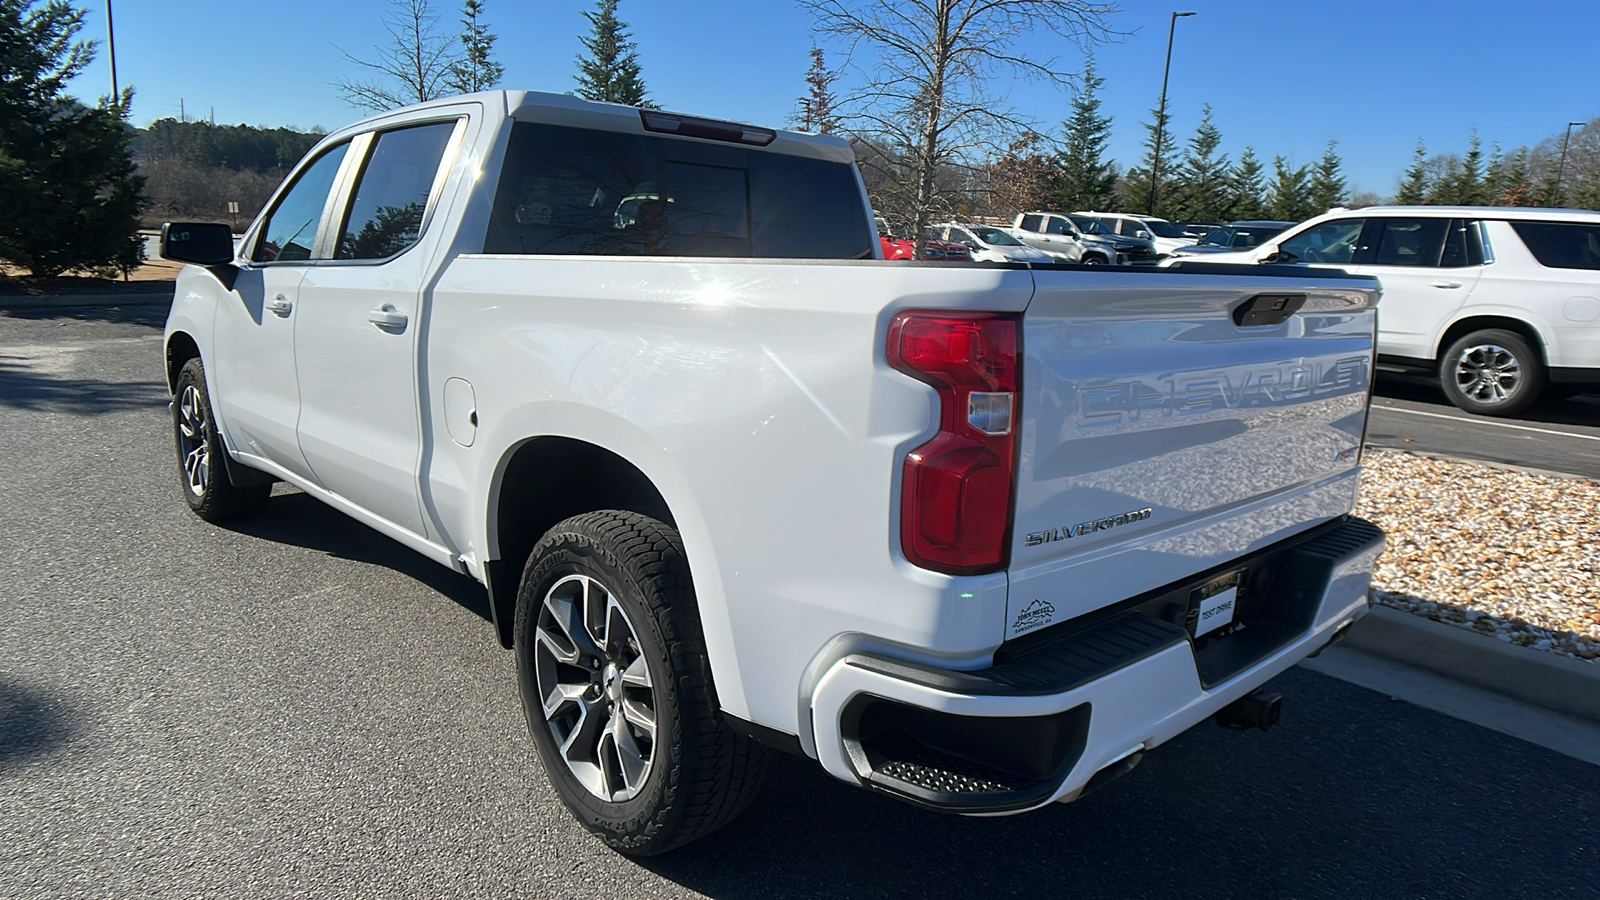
<point x="1562" y="245"/>
<point x="1411" y="242"/>
<point x="392" y="194"/>
<point x="290" y="231"/>
<point x="1463" y="246"/>
<point x="574" y="191"/>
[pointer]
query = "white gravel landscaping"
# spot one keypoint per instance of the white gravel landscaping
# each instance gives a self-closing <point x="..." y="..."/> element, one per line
<point x="1510" y="554"/>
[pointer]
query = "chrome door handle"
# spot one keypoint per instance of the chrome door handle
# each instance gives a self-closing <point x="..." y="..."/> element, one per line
<point x="388" y="317"/>
<point x="1445" y="284"/>
<point x="279" y="306"/>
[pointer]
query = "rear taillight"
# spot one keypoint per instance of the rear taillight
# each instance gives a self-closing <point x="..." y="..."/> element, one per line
<point x="956" y="493"/>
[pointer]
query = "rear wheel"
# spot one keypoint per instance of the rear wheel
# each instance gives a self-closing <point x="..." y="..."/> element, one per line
<point x="1493" y="372"/>
<point x="617" y="689"/>
<point x="202" y="466"/>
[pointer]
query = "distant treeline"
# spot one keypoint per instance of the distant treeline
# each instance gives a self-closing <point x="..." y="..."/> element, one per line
<point x="193" y="170"/>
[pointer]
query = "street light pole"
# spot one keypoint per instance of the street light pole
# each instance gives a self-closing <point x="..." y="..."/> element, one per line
<point x="1161" y="117"/>
<point x="1562" y="169"/>
<point x="111" y="45"/>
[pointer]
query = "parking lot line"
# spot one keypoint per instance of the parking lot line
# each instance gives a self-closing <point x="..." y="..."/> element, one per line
<point x="1482" y="421"/>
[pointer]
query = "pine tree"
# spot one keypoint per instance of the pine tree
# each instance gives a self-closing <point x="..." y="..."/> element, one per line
<point x="476" y="70"/>
<point x="70" y="198"/>
<point x="1443" y="187"/>
<point x="1138" y="182"/>
<point x="819" y="111"/>
<point x="1247" y="187"/>
<point x="1494" y="174"/>
<point x="1201" y="183"/>
<point x="1414" y="189"/>
<point x="1466" y="188"/>
<point x="1327" y="186"/>
<point x="1290" y="197"/>
<point x="610" y="73"/>
<point x="1515" y="186"/>
<point x="1084" y="178"/>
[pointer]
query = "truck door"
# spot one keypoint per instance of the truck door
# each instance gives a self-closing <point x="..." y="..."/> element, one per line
<point x="359" y="318"/>
<point x="252" y="363"/>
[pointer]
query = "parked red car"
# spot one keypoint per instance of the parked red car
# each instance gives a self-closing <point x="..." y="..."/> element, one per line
<point x="934" y="250"/>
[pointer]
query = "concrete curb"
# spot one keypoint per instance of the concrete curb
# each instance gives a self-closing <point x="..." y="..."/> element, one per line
<point x="1559" y="683"/>
<point x="130" y="298"/>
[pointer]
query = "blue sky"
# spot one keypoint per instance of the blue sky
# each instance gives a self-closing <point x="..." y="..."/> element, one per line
<point x="1282" y="76"/>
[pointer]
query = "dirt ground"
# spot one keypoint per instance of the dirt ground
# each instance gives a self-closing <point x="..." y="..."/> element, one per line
<point x="155" y="275"/>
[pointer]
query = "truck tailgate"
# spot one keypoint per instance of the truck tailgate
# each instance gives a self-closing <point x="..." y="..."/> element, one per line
<point x="1164" y="432"/>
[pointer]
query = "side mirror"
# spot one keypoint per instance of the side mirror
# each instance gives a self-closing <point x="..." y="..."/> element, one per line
<point x="970" y="245"/>
<point x="1267" y="253"/>
<point x="201" y="243"/>
<point x="1141" y="233"/>
<point x="208" y="244"/>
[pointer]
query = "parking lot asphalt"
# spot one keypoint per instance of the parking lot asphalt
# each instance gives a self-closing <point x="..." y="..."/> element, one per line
<point x="296" y="705"/>
<point x="1411" y="413"/>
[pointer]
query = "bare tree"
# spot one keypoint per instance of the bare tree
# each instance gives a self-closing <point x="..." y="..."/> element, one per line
<point x="413" y="67"/>
<point x="929" y="66"/>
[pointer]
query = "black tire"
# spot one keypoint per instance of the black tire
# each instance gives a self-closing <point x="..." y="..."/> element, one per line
<point x="1093" y="259"/>
<point x="700" y="773"/>
<point x="1493" y="372"/>
<point x="202" y="466"/>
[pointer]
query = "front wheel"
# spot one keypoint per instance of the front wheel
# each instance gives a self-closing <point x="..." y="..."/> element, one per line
<point x="202" y="469"/>
<point x="1091" y="259"/>
<point x="1493" y="372"/>
<point x="617" y="689"/>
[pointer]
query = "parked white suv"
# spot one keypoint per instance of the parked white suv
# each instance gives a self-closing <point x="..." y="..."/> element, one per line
<point x="1166" y="235"/>
<point x="1499" y="302"/>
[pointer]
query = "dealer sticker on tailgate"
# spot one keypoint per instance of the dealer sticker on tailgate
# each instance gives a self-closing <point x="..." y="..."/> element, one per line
<point x="1216" y="602"/>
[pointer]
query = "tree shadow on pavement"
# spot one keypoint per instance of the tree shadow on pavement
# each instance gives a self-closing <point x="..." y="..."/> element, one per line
<point x="1355" y="795"/>
<point x="25" y="384"/>
<point x="148" y="315"/>
<point x="299" y="520"/>
<point x="31" y="723"/>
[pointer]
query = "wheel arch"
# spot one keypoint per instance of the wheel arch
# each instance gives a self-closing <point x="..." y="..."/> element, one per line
<point x="181" y="347"/>
<point x="1465" y="326"/>
<point x="543" y="480"/>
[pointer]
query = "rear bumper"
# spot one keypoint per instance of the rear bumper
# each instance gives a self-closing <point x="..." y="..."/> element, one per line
<point x="1080" y="698"/>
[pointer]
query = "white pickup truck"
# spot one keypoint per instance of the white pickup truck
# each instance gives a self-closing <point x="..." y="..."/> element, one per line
<point x="975" y="537"/>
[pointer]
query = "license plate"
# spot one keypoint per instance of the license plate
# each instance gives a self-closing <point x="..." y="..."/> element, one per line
<point x="1212" y="605"/>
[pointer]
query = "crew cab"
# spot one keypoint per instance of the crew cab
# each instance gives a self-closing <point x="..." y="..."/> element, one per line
<point x="1500" y="304"/>
<point x="975" y="537"/>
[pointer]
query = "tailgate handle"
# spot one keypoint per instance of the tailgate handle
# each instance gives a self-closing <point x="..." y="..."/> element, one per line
<point x="1267" y="309"/>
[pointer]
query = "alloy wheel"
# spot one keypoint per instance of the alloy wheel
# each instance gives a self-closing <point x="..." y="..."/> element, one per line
<point x="1487" y="373"/>
<point x="595" y="687"/>
<point x="193" y="449"/>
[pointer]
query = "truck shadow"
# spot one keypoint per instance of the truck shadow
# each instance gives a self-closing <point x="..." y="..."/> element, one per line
<point x="299" y="520"/>
<point x="1354" y="795"/>
<point x="147" y="315"/>
<point x="31" y="723"/>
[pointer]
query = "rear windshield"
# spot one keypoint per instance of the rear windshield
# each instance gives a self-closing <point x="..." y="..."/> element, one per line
<point x="1163" y="229"/>
<point x="1562" y="245"/>
<point x="575" y="191"/>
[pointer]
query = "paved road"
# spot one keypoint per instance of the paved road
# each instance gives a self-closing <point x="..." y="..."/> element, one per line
<point x="1411" y="413"/>
<point x="297" y="706"/>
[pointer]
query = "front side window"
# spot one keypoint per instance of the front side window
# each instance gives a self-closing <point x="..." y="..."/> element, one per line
<point x="997" y="237"/>
<point x="960" y="236"/>
<point x="1411" y="242"/>
<point x="1562" y="245"/>
<point x="1164" y="229"/>
<point x="1333" y="241"/>
<point x="576" y="191"/>
<point x="391" y="195"/>
<point x="291" y="229"/>
<point x="1031" y="223"/>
